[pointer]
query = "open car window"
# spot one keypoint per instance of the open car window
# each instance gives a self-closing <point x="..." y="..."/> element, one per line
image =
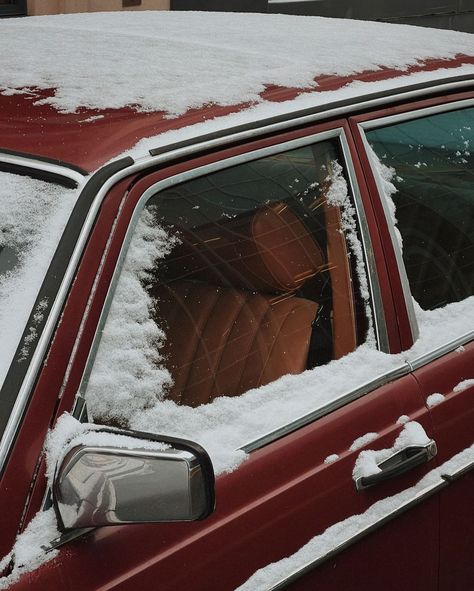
<point x="233" y="280"/>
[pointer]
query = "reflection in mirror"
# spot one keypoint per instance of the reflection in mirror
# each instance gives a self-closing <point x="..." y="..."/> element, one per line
<point x="97" y="486"/>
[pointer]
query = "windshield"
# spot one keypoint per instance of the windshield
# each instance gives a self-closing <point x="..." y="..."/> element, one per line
<point x="34" y="214"/>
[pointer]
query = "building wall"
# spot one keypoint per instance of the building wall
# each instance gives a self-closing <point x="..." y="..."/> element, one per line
<point x="37" y="7"/>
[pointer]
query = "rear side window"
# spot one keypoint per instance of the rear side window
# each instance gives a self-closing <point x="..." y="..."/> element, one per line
<point x="233" y="280"/>
<point x="427" y="166"/>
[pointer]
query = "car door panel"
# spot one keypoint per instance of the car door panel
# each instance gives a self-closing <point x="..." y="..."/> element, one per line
<point x="453" y="421"/>
<point x="280" y="498"/>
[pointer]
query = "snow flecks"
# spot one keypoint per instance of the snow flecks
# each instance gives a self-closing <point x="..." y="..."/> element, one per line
<point x="434" y="399"/>
<point x="343" y="531"/>
<point x="32" y="330"/>
<point x="338" y="195"/>
<point x="363" y="440"/>
<point x="28" y="553"/>
<point x="34" y="215"/>
<point x="460" y="349"/>
<point x="331" y="459"/>
<point x="463" y="385"/>
<point x="128" y="370"/>
<point x="221" y="60"/>
<point x="368" y="461"/>
<point x="387" y="175"/>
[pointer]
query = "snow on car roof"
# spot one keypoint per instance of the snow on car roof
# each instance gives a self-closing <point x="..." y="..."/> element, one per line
<point x="84" y="69"/>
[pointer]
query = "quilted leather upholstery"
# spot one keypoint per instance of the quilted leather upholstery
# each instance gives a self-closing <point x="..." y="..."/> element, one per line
<point x="222" y="341"/>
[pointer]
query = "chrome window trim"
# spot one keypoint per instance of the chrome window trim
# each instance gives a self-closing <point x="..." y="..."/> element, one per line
<point x="42" y="166"/>
<point x="336" y="133"/>
<point x="440" y="351"/>
<point x="380" y="326"/>
<point x="401" y="370"/>
<point x="143" y="163"/>
<point x="386" y="122"/>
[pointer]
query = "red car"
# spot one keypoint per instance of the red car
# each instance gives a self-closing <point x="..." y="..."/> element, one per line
<point x="236" y="303"/>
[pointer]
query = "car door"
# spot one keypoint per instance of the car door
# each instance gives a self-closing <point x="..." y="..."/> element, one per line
<point x="285" y="451"/>
<point x="426" y="150"/>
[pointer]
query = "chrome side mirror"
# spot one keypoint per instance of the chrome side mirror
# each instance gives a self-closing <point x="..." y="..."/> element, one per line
<point x="132" y="481"/>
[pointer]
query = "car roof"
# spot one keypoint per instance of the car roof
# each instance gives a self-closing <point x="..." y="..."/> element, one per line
<point x="87" y="88"/>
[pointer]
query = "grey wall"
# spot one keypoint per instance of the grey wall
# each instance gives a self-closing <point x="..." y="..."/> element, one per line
<point x="445" y="14"/>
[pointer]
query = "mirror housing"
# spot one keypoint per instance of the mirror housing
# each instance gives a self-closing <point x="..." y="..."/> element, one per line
<point x="132" y="477"/>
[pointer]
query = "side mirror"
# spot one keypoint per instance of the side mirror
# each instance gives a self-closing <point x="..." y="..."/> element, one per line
<point x="132" y="477"/>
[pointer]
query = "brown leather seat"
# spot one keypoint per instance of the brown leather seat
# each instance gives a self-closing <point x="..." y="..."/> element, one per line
<point x="224" y="340"/>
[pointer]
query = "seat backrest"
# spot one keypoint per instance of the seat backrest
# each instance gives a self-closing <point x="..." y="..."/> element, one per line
<point x="234" y="322"/>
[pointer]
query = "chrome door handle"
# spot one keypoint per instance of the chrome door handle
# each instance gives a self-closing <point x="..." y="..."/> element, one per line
<point x="400" y="462"/>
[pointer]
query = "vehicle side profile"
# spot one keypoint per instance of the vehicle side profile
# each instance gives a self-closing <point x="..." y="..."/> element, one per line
<point x="236" y="302"/>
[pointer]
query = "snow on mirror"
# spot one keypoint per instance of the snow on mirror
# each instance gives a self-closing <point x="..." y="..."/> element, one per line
<point x="107" y="477"/>
<point x="235" y="283"/>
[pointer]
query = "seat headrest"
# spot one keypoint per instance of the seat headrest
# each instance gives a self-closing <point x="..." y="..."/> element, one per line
<point x="269" y="250"/>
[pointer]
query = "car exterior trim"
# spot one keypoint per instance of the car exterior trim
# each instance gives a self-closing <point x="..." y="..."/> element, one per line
<point x="41" y="167"/>
<point x="384" y="122"/>
<point x="310" y="115"/>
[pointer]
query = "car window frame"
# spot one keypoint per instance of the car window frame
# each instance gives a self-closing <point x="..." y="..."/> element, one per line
<point x="335" y="131"/>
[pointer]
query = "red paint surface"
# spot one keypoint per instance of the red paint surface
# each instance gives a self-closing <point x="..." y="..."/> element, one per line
<point x="43" y="131"/>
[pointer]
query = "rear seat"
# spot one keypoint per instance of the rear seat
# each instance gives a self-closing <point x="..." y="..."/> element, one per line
<point x="229" y="309"/>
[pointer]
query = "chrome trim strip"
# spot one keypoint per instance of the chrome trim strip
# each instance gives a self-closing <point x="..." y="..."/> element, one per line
<point x="40" y="165"/>
<point x="426" y="358"/>
<point x="385" y="122"/>
<point x="418" y="497"/>
<point x="142" y="164"/>
<point x="468" y="466"/>
<point x="380" y="326"/>
<point x="327" y="408"/>
<point x="415" y="331"/>
<point x="266" y="128"/>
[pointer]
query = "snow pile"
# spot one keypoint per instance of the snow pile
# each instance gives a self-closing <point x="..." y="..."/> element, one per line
<point x="128" y="373"/>
<point x="368" y="461"/>
<point x="464" y="385"/>
<point x="331" y="459"/>
<point x="219" y="58"/>
<point x="434" y="400"/>
<point x="28" y="553"/>
<point x="34" y="215"/>
<point x="342" y="532"/>
<point x="386" y="176"/>
<point x="363" y="440"/>
<point x="338" y="195"/>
